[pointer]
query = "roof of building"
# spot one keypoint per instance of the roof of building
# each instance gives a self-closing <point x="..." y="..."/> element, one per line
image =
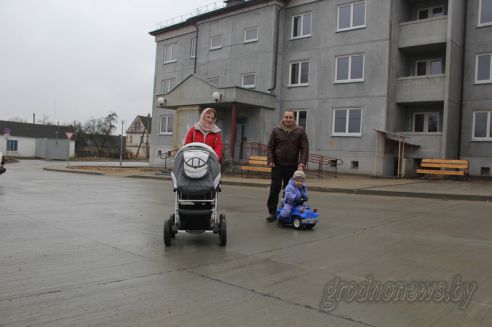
<point x="146" y="120"/>
<point x="34" y="130"/>
<point x="232" y="6"/>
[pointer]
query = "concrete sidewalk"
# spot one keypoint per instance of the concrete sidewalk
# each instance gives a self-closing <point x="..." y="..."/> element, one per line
<point x="470" y="190"/>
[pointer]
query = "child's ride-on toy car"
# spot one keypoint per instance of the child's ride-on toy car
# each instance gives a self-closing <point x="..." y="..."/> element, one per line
<point x="302" y="216"/>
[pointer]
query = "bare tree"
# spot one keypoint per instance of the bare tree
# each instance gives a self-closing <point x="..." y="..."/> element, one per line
<point x="99" y="129"/>
<point x="45" y="120"/>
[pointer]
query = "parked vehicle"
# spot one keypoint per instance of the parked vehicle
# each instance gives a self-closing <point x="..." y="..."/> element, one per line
<point x="2" y="162"/>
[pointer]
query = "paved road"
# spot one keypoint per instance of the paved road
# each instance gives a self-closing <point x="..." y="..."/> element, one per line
<point x="85" y="250"/>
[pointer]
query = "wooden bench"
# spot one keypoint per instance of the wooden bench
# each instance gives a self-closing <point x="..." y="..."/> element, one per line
<point x="443" y="167"/>
<point x="257" y="164"/>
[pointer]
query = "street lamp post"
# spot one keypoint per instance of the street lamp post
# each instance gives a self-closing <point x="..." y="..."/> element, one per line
<point x="121" y="144"/>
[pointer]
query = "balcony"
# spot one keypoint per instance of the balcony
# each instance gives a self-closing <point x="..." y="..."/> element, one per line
<point x="420" y="89"/>
<point x="430" y="144"/>
<point x="423" y="32"/>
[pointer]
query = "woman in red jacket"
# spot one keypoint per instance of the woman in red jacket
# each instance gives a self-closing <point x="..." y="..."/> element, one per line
<point x="205" y="131"/>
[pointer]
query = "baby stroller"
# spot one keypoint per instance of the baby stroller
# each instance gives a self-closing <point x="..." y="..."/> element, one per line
<point x="196" y="181"/>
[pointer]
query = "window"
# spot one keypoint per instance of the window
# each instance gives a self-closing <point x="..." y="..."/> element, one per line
<point x="351" y="16"/>
<point x="301" y="26"/>
<point x="11" y="145"/>
<point x="347" y="122"/>
<point x="301" y="117"/>
<point x="485" y="13"/>
<point x="166" y="127"/>
<point x="483" y="72"/>
<point x="216" y="42"/>
<point x="299" y="73"/>
<point x="169" y="53"/>
<point x="349" y="68"/>
<point x="213" y="80"/>
<point x="251" y="35"/>
<point x="482" y="126"/>
<point x="426" y="122"/>
<point x="430" y="12"/>
<point x="193" y="48"/>
<point x="428" y="67"/>
<point x="167" y="85"/>
<point x="248" y="80"/>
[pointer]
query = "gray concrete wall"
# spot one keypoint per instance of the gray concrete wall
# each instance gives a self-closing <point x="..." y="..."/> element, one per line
<point x="52" y="149"/>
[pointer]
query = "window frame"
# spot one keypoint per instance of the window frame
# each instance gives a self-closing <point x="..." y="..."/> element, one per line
<point x="167" y="85"/>
<point x="301" y="35"/>
<point x="166" y="132"/>
<point x="172" y="58"/>
<point x="211" y="42"/>
<point x="490" y="69"/>
<point x="428" y="65"/>
<point x="193" y="47"/>
<point x="248" y="86"/>
<point x="251" y="29"/>
<point x="430" y="13"/>
<point x="351" y="27"/>
<point x="480" y="24"/>
<point x="426" y="122"/>
<point x="296" y="116"/>
<point x="299" y="84"/>
<point x="488" y="131"/>
<point x="347" y="120"/>
<point x="350" y="80"/>
<point x="10" y="147"/>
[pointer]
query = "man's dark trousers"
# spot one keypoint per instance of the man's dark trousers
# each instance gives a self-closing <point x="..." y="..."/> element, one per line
<point x="280" y="179"/>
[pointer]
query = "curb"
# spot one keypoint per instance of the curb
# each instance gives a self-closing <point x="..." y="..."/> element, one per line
<point x="438" y="196"/>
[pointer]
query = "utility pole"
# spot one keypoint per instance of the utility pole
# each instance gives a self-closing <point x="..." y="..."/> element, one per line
<point x="121" y="144"/>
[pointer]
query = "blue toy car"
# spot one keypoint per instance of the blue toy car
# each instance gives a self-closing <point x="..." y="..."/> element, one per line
<point x="302" y="216"/>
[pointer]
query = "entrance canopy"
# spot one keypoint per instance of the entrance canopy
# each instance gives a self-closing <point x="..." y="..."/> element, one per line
<point x="194" y="91"/>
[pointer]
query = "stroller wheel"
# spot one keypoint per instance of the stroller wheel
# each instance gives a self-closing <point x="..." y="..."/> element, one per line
<point x="223" y="230"/>
<point x="297" y="223"/>
<point x="171" y="224"/>
<point x="167" y="233"/>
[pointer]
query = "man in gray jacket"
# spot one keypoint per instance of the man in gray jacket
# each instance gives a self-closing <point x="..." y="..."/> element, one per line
<point x="288" y="151"/>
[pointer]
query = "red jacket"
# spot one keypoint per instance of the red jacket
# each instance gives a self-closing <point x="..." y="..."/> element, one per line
<point x="212" y="139"/>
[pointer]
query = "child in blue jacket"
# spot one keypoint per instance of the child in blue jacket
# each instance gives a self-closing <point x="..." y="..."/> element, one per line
<point x="295" y="193"/>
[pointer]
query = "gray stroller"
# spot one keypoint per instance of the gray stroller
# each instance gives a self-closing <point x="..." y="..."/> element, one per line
<point x="196" y="181"/>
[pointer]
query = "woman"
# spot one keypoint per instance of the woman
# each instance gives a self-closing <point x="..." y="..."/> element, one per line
<point x="205" y="131"/>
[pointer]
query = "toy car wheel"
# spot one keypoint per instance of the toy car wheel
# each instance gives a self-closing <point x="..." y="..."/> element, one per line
<point x="223" y="230"/>
<point x="167" y="233"/>
<point x="297" y="223"/>
<point x="310" y="226"/>
<point x="171" y="223"/>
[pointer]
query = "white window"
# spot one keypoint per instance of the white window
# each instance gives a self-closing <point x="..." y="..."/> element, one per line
<point x="426" y="122"/>
<point x="213" y="80"/>
<point x="428" y="67"/>
<point x="301" y="26"/>
<point x="349" y="68"/>
<point x="425" y="13"/>
<point x="485" y="13"/>
<point x="169" y="53"/>
<point x="167" y="85"/>
<point x="193" y="48"/>
<point x="251" y="35"/>
<point x="12" y="145"/>
<point x="351" y="16"/>
<point x="483" y="72"/>
<point x="299" y="73"/>
<point x="482" y="126"/>
<point x="301" y="117"/>
<point x="166" y="127"/>
<point x="347" y="122"/>
<point x="248" y="80"/>
<point x="216" y="42"/>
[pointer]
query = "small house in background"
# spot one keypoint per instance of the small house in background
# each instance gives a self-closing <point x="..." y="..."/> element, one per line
<point x="36" y="141"/>
<point x="138" y="138"/>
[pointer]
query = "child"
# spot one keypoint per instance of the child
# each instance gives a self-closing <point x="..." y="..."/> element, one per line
<point x="295" y="193"/>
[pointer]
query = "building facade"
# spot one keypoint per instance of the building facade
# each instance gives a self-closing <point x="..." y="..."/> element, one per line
<point x="379" y="84"/>
<point x="138" y="137"/>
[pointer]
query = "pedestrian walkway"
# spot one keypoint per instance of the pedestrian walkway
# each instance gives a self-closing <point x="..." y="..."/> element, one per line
<point x="471" y="190"/>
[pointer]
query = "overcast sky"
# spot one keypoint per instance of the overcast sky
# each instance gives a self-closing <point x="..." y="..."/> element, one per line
<point x="75" y="59"/>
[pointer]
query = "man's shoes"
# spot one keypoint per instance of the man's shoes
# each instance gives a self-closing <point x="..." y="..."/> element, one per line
<point x="271" y="218"/>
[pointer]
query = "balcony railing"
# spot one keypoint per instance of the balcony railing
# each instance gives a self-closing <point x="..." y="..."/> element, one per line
<point x="423" y="32"/>
<point x="420" y="89"/>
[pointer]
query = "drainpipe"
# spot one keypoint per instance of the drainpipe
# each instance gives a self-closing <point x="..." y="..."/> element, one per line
<point x="196" y="48"/>
<point x="275" y="54"/>
<point x="462" y="80"/>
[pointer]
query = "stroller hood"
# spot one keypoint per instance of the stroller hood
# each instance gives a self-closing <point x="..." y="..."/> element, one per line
<point x="196" y="166"/>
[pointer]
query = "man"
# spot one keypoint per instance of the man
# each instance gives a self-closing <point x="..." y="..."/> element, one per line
<point x="288" y="150"/>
